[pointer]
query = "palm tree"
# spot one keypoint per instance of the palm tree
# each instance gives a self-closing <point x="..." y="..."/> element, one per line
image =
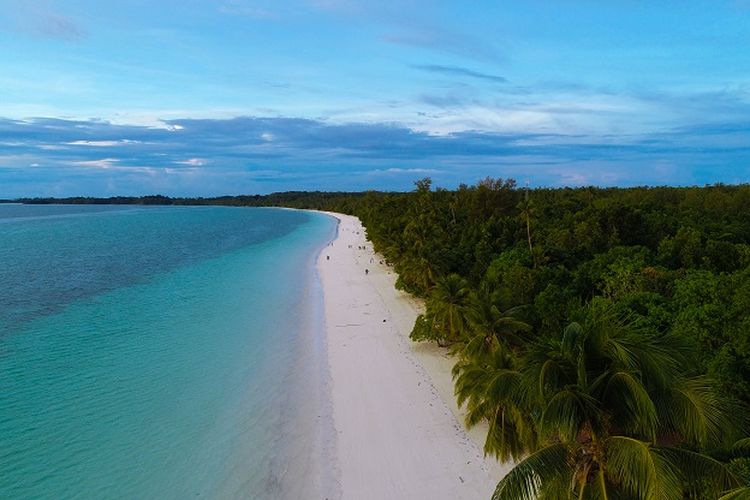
<point x="496" y="392"/>
<point x="419" y="237"/>
<point x="491" y="324"/>
<point x="487" y="380"/>
<point x="618" y="467"/>
<point x="417" y="273"/>
<point x="613" y="413"/>
<point x="448" y="306"/>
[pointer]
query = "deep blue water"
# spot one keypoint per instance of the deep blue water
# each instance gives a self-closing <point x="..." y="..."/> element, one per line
<point x="161" y="352"/>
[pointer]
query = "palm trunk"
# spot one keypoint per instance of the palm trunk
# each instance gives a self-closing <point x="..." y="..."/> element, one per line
<point x="584" y="482"/>
<point x="602" y="485"/>
<point x="528" y="231"/>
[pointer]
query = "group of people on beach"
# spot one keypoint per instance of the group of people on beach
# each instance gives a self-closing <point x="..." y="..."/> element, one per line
<point x="359" y="247"/>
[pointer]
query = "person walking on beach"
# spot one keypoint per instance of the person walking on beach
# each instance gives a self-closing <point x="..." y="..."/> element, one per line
<point x="367" y="271"/>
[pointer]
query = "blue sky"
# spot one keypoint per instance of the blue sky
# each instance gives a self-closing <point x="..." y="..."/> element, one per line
<point x="252" y="96"/>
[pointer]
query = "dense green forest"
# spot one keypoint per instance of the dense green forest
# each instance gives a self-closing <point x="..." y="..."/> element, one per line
<point x="604" y="334"/>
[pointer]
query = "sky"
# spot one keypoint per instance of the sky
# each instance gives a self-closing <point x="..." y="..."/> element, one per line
<point x="210" y="97"/>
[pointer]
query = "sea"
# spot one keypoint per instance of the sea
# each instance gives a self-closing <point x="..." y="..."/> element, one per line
<point x="163" y="353"/>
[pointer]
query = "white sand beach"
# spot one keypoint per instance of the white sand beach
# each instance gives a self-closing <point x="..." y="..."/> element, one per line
<point x="399" y="433"/>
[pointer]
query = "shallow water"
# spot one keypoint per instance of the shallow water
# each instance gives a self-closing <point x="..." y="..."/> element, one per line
<point x="162" y="352"/>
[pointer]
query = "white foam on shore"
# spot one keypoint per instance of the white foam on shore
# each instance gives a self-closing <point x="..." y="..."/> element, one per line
<point x="303" y="464"/>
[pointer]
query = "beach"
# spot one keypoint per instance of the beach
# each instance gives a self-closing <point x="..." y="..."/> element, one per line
<point x="398" y="431"/>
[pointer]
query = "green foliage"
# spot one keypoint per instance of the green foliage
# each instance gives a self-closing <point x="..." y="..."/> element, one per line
<point x="446" y="320"/>
<point x="512" y="275"/>
<point x="740" y="468"/>
<point x="423" y="331"/>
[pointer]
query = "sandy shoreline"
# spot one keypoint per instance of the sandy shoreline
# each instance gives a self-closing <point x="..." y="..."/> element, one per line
<point x="398" y="433"/>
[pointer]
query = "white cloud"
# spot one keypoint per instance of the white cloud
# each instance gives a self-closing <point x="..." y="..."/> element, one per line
<point x="111" y="164"/>
<point x="398" y="171"/>
<point x="102" y="144"/>
<point x="192" y="162"/>
<point x="104" y="163"/>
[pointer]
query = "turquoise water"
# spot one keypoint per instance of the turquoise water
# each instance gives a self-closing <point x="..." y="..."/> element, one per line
<point x="166" y="352"/>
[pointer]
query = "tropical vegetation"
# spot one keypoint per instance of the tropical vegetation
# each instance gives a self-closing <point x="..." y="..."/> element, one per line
<point x="601" y="334"/>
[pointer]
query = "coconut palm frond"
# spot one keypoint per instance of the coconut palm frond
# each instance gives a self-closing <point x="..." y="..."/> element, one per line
<point x="636" y="412"/>
<point x="511" y="435"/>
<point x="741" y="446"/>
<point x="699" y="415"/>
<point x="641" y="471"/>
<point x="700" y="471"/>
<point x="736" y="494"/>
<point x="573" y="336"/>
<point x="527" y="479"/>
<point x="567" y="413"/>
<point x="660" y="360"/>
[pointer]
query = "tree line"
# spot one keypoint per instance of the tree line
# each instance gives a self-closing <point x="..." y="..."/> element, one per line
<point x="296" y="199"/>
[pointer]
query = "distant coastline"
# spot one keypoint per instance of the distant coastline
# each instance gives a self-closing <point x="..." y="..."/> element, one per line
<point x="292" y="199"/>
